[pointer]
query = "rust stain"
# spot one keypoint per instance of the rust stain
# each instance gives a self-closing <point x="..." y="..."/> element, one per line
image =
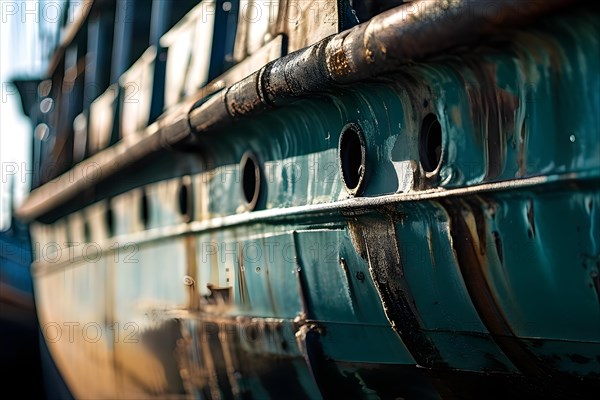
<point x="430" y="246"/>
<point x="301" y="284"/>
<point x="467" y="232"/>
<point x="499" y="249"/>
<point x="358" y="241"/>
<point x="492" y="112"/>
<point x="241" y="281"/>
<point x="192" y="268"/>
<point x="378" y="236"/>
<point x="337" y="63"/>
<point x="456" y="116"/>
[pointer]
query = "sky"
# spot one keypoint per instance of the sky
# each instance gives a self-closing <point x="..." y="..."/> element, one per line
<point x="15" y="129"/>
<point x="21" y="55"/>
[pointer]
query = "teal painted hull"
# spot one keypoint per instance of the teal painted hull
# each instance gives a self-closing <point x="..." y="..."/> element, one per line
<point x="454" y="266"/>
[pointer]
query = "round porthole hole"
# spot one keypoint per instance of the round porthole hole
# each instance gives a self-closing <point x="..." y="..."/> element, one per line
<point x="145" y="209"/>
<point x="430" y="143"/>
<point x="353" y="157"/>
<point x="110" y="220"/>
<point x="250" y="179"/>
<point x="185" y="198"/>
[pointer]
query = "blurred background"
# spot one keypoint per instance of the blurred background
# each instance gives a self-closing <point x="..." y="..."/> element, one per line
<point x="29" y="33"/>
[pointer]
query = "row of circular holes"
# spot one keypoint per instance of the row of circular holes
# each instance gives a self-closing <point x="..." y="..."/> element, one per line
<point x="185" y="203"/>
<point x="250" y="189"/>
<point x="352" y="160"/>
<point x="352" y="152"/>
<point x="185" y="209"/>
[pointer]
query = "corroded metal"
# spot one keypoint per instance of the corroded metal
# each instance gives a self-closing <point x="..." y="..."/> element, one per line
<point x="393" y="38"/>
<point x="308" y="71"/>
<point x="465" y="266"/>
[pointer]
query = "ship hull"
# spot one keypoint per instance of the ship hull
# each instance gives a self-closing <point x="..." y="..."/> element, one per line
<point x="312" y="255"/>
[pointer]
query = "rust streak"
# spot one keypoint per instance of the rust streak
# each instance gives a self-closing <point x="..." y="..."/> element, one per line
<point x="492" y="112"/>
<point x="467" y="225"/>
<point x="378" y="236"/>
